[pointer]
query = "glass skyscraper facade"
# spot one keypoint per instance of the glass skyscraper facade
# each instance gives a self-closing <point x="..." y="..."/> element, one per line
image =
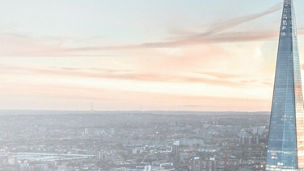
<point x="286" y="135"/>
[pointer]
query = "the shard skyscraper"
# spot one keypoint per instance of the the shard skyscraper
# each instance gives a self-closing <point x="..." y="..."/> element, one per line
<point x="286" y="130"/>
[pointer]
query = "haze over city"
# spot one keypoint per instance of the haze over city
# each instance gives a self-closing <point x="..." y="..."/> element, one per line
<point x="151" y="85"/>
<point x="141" y="55"/>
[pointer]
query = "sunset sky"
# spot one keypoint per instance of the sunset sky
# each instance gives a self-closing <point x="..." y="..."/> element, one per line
<point x="140" y="54"/>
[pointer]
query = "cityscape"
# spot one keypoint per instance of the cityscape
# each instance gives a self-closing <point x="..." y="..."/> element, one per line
<point x="151" y="85"/>
<point x="133" y="141"/>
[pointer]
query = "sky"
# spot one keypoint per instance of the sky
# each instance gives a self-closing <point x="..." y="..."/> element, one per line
<point x="198" y="55"/>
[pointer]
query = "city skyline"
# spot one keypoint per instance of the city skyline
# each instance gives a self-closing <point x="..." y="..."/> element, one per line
<point x="140" y="55"/>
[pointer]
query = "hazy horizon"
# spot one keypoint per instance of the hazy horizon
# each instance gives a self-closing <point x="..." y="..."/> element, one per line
<point x="147" y="112"/>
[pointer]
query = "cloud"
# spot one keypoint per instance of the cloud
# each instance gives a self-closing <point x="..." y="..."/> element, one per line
<point x="22" y="45"/>
<point x="210" y="78"/>
<point x="19" y="45"/>
<point x="192" y="40"/>
<point x="212" y="35"/>
<point x="219" y="75"/>
<point x="67" y="97"/>
<point x="225" y="25"/>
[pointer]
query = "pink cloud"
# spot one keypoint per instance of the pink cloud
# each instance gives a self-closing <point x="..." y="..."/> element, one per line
<point x="19" y="45"/>
<point x="105" y="99"/>
<point x="211" y="78"/>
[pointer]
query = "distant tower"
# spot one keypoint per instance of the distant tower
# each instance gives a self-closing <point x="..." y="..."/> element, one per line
<point x="196" y="164"/>
<point x="175" y="153"/>
<point x="286" y="134"/>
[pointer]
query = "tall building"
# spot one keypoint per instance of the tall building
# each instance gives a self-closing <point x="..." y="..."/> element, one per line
<point x="286" y="133"/>
<point x="196" y="164"/>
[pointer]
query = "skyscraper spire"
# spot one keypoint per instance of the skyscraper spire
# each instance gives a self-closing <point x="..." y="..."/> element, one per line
<point x="286" y="133"/>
